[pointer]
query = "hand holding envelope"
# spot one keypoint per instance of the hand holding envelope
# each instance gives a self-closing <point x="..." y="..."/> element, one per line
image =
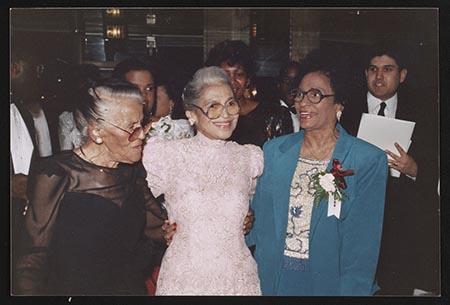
<point x="403" y="163"/>
<point x="390" y="135"/>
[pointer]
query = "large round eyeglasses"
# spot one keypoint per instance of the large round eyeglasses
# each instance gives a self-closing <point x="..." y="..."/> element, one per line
<point x="133" y="134"/>
<point x="215" y="110"/>
<point x="313" y="95"/>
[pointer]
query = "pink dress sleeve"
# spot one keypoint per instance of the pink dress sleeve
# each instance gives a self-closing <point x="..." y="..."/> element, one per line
<point x="154" y="159"/>
<point x="256" y="164"/>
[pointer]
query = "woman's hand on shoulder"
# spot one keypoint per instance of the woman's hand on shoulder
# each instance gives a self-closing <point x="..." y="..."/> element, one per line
<point x="248" y="221"/>
<point x="169" y="230"/>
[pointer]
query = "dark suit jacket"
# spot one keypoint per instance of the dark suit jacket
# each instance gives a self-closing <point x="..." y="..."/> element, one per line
<point x="410" y="244"/>
<point x="52" y="121"/>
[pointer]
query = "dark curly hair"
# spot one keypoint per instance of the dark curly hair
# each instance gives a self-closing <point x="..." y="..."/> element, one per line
<point x="333" y="65"/>
<point x="232" y="52"/>
<point x="395" y="50"/>
<point x="134" y="64"/>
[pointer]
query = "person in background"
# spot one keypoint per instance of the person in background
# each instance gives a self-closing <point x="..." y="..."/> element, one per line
<point x="258" y="120"/>
<point x="319" y="203"/>
<point x="167" y="121"/>
<point x="409" y="259"/>
<point x="22" y="147"/>
<point x="142" y="75"/>
<point x="287" y="76"/>
<point x="90" y="213"/>
<point x="207" y="184"/>
<point x="84" y="77"/>
<point x="32" y="136"/>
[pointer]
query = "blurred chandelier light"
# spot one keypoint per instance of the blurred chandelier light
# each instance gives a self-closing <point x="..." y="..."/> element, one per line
<point x="253" y="30"/>
<point x="115" y="31"/>
<point x="113" y="12"/>
<point x="151" y="19"/>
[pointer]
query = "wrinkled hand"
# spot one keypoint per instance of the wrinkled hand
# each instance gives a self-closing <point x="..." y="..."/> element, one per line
<point x="403" y="163"/>
<point x="248" y="221"/>
<point x="169" y="230"/>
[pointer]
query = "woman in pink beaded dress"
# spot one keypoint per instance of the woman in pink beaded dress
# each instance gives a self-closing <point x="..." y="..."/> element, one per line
<point x="207" y="182"/>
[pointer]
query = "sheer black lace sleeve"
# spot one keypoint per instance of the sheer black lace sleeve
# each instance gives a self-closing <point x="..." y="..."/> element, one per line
<point x="46" y="188"/>
<point x="155" y="212"/>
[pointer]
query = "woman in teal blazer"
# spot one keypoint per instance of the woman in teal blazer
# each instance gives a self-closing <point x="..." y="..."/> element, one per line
<point x="300" y="250"/>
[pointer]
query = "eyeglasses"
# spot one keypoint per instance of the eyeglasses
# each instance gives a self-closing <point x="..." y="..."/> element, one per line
<point x="215" y="110"/>
<point x="133" y="135"/>
<point x="313" y="95"/>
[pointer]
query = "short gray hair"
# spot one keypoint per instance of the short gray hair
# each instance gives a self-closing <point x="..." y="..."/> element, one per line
<point x="203" y="78"/>
<point x="97" y="100"/>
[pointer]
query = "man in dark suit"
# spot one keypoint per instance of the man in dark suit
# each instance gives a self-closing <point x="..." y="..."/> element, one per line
<point x="286" y="78"/>
<point x="33" y="135"/>
<point x="409" y="256"/>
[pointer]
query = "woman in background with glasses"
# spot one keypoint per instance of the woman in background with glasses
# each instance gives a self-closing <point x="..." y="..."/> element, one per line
<point x="207" y="182"/>
<point x="90" y="210"/>
<point x="308" y="244"/>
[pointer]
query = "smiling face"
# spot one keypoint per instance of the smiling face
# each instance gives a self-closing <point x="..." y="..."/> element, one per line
<point x="384" y="76"/>
<point x="321" y="116"/>
<point x="222" y="127"/>
<point x="238" y="77"/>
<point x="143" y="79"/>
<point x="127" y="115"/>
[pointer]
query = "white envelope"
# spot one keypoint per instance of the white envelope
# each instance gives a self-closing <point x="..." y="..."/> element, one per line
<point x="383" y="132"/>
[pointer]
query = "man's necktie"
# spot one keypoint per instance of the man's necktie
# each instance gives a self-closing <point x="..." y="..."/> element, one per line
<point x="382" y="107"/>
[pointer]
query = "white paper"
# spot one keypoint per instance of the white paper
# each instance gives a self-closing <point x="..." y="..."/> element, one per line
<point x="383" y="132"/>
<point x="334" y="207"/>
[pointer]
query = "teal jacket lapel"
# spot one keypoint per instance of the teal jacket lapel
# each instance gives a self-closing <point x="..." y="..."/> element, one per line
<point x="343" y="146"/>
<point x="284" y="171"/>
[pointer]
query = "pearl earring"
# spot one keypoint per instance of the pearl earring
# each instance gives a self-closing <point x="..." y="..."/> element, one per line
<point x="338" y="115"/>
<point x="98" y="140"/>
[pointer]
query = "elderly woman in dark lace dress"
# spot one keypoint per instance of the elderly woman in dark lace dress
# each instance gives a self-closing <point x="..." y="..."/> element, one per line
<point x="93" y="225"/>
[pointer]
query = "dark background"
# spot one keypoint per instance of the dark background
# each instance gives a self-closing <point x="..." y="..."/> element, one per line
<point x="75" y="36"/>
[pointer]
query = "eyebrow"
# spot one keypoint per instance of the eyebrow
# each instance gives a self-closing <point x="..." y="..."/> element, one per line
<point x="383" y="66"/>
<point x="217" y="102"/>
<point x="321" y="90"/>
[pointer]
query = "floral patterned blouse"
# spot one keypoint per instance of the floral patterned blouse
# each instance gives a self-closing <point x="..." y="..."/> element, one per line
<point x="300" y="208"/>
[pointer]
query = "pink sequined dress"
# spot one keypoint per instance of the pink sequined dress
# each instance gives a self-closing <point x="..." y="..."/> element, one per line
<point x="207" y="186"/>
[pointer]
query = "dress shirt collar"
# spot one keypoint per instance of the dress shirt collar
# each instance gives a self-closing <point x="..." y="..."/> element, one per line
<point x="294" y="117"/>
<point x="373" y="105"/>
<point x="282" y="103"/>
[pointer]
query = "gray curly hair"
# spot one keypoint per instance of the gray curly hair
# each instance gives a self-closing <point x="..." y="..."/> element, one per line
<point x="203" y="78"/>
